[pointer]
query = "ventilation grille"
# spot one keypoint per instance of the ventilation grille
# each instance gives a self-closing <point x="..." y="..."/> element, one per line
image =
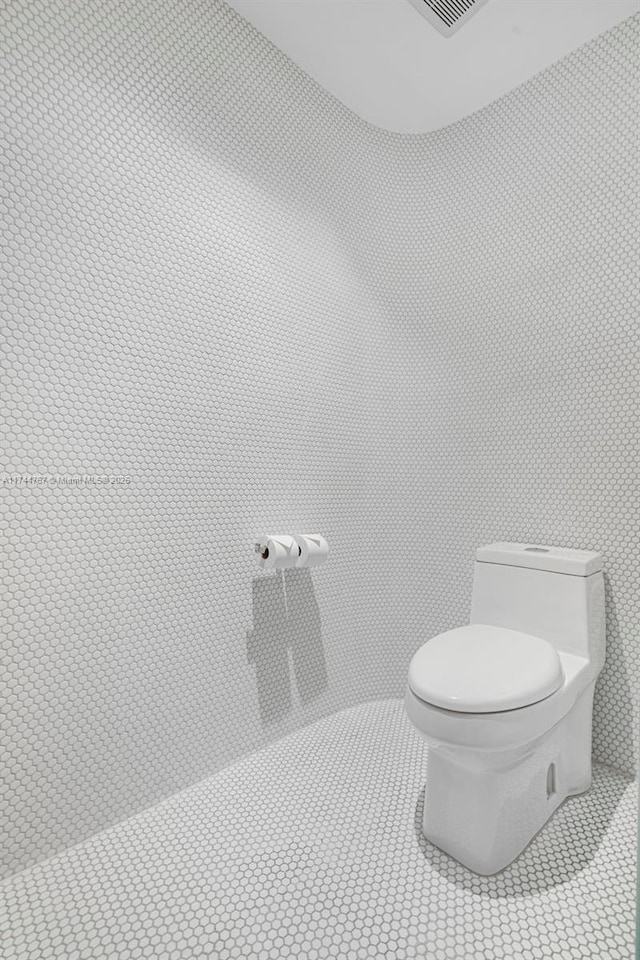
<point x="447" y="16"/>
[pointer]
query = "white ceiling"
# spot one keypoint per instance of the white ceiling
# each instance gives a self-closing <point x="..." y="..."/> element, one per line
<point x="392" y="68"/>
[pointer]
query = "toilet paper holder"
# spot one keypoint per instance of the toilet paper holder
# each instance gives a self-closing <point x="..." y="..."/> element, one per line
<point x="312" y="550"/>
<point x="263" y="549"/>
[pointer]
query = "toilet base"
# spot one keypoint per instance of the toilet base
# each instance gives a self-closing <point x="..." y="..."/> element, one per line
<point x="483" y="807"/>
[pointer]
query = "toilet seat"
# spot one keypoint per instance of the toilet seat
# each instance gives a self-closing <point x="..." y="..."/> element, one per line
<point x="485" y="669"/>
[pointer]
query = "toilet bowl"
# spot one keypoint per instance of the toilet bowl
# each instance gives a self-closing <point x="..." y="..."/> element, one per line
<point x="505" y="702"/>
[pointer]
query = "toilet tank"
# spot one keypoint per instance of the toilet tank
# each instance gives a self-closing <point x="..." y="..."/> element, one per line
<point x="551" y="592"/>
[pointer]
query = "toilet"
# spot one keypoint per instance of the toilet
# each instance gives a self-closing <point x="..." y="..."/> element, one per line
<point x="505" y="702"/>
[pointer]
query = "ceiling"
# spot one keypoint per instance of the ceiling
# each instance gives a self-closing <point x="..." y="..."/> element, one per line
<point x="393" y="69"/>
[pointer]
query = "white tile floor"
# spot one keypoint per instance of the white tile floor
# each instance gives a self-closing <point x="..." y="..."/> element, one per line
<point x="311" y="848"/>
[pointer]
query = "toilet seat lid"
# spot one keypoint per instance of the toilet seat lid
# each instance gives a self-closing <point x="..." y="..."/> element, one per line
<point x="485" y="669"/>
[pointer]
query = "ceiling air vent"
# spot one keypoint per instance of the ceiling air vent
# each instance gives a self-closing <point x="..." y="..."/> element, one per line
<point x="447" y="16"/>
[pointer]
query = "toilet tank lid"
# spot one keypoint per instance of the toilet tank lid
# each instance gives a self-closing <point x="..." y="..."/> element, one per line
<point x="578" y="563"/>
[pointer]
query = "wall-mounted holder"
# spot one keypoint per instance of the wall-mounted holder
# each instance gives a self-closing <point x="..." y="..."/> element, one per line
<point x="283" y="551"/>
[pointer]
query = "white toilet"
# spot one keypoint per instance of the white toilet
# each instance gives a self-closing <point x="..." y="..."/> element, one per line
<point x="505" y="703"/>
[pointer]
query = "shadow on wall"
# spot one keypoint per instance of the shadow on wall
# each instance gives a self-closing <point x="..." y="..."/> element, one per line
<point x="286" y="631"/>
<point x="621" y="711"/>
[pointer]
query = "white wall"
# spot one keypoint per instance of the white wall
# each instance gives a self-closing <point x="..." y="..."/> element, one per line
<point x="271" y="316"/>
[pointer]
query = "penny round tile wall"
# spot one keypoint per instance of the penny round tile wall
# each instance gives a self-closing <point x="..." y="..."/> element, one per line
<point x="230" y="306"/>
